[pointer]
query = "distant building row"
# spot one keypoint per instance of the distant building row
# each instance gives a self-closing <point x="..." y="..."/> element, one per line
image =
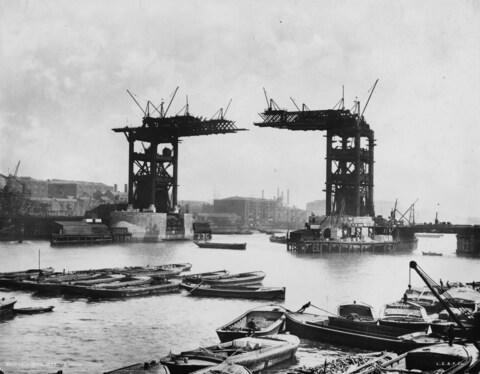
<point x="234" y="214"/>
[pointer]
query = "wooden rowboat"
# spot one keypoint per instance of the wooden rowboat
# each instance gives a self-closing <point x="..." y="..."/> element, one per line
<point x="242" y="292"/>
<point x="251" y="277"/>
<point x="260" y="321"/>
<point x="166" y="271"/>
<point x="34" y="310"/>
<point x="437" y="358"/>
<point x="201" y="277"/>
<point x="6" y="305"/>
<point x="406" y="315"/>
<point x="255" y="353"/>
<point x="217" y="245"/>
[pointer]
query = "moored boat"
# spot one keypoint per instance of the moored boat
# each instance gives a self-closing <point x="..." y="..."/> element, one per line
<point x="255" y="353"/>
<point x="423" y="297"/>
<point x="132" y="291"/>
<point x="356" y="312"/>
<point x="166" y="271"/>
<point x="260" y="321"/>
<point x="216" y="245"/>
<point x="34" y="310"/>
<point x="6" y="305"/>
<point x="406" y="315"/>
<point x="200" y="277"/>
<point x="234" y="291"/>
<point x="355" y="334"/>
<point x="251" y="277"/>
<point x="462" y="297"/>
<point x="282" y="239"/>
<point x="430" y="253"/>
<point x="437" y="358"/>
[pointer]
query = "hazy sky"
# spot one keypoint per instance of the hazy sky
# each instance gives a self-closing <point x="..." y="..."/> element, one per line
<point x="65" y="66"/>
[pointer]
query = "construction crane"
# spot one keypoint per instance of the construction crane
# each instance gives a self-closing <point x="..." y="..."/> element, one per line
<point x="16" y="169"/>
<point x="447" y="304"/>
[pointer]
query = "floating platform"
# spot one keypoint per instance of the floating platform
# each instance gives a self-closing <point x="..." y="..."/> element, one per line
<point x="339" y="246"/>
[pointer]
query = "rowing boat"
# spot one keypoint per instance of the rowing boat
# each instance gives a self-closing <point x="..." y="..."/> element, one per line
<point x="242" y="292"/>
<point x="201" y="277"/>
<point x="251" y="277"/>
<point x="437" y="358"/>
<point x="255" y="353"/>
<point x="260" y="321"/>
<point x="406" y="315"/>
<point x="34" y="310"/>
<point x="6" y="305"/>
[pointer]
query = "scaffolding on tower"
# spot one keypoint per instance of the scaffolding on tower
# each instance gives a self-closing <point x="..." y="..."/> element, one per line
<point x="153" y="167"/>
<point x="350" y="151"/>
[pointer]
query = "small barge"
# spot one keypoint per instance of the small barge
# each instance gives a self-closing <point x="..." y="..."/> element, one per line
<point x="216" y="245"/>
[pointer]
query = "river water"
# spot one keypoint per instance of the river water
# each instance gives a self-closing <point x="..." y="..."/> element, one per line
<point x="81" y="336"/>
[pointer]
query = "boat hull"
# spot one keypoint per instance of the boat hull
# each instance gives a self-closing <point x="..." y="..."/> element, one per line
<point x="211" y="245"/>
<point x="266" y="293"/>
<point x="355" y="334"/>
<point x="268" y="320"/>
<point x="255" y="354"/>
<point x="33" y="310"/>
<point x="250" y="278"/>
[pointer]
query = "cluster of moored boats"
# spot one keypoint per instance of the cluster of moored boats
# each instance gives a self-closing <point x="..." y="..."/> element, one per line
<point x="141" y="281"/>
<point x="270" y="334"/>
<point x="431" y="330"/>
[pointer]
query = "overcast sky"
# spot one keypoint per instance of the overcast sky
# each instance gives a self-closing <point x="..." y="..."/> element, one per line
<point x="65" y="66"/>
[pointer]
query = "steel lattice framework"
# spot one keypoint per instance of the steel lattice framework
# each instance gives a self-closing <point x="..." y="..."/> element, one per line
<point x="350" y="161"/>
<point x="153" y="175"/>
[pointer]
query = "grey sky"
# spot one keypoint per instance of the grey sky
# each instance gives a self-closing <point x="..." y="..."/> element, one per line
<point x="64" y="68"/>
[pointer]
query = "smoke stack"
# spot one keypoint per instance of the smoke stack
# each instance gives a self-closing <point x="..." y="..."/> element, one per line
<point x="125" y="188"/>
<point x="263" y="195"/>
<point x="278" y="193"/>
<point x="115" y="187"/>
<point x="288" y="197"/>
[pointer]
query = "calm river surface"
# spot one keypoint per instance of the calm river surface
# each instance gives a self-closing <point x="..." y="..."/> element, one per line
<point x="91" y="337"/>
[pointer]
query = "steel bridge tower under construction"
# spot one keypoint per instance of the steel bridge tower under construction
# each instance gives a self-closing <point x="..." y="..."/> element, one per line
<point x="350" y="153"/>
<point x="153" y="169"/>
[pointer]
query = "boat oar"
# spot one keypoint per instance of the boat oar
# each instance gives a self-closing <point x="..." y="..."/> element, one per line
<point x="323" y="310"/>
<point x="194" y="288"/>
